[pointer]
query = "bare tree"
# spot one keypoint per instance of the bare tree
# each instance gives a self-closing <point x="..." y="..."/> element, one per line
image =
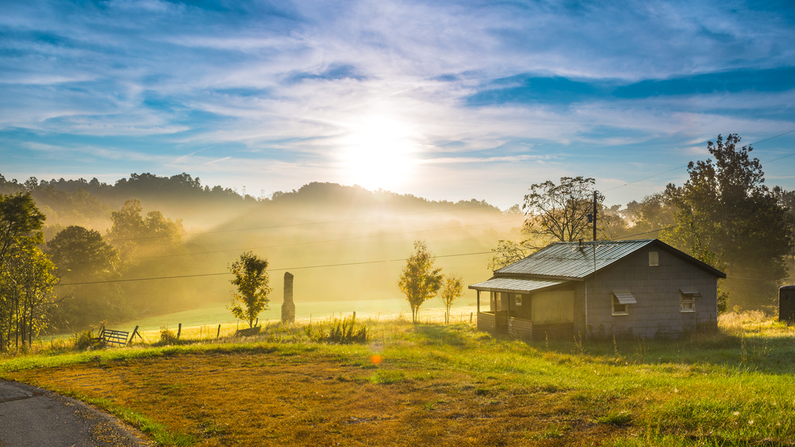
<point x="553" y="213"/>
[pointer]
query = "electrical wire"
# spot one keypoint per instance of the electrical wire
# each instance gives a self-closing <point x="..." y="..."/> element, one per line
<point x="199" y="275"/>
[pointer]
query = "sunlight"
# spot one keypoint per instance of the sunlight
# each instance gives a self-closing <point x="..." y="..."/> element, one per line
<point x="377" y="153"/>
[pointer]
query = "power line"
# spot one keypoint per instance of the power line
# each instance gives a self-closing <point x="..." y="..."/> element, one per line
<point x="154" y="278"/>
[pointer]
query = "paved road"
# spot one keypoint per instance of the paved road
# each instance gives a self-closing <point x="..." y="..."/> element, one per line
<point x="31" y="416"/>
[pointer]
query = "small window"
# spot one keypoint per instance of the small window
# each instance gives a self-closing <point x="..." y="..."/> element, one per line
<point x="621" y="301"/>
<point x="687" y="300"/>
<point x="687" y="303"/>
<point x="618" y="308"/>
<point x="654" y="259"/>
<point x="518" y="300"/>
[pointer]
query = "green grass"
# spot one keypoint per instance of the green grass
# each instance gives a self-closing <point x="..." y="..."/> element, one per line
<point x="734" y="387"/>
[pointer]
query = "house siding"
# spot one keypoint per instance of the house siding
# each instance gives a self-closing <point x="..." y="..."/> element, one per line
<point x="656" y="290"/>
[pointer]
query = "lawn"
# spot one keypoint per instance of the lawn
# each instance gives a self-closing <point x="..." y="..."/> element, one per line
<point x="443" y="385"/>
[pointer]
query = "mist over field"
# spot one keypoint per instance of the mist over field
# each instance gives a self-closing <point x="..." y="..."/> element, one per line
<point x="342" y="243"/>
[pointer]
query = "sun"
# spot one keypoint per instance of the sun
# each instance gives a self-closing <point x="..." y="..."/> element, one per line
<point x="377" y="153"/>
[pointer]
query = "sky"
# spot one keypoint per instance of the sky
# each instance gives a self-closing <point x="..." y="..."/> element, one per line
<point x="444" y="100"/>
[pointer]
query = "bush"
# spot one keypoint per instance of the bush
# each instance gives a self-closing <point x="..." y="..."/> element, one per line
<point x="342" y="331"/>
<point x="167" y="337"/>
<point x="86" y="340"/>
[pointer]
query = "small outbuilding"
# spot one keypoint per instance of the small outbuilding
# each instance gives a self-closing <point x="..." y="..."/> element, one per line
<point x="639" y="288"/>
<point x="786" y="304"/>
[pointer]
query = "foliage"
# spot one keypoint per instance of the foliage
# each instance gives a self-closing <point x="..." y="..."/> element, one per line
<point x="342" y="331"/>
<point x="135" y="236"/>
<point x="508" y="252"/>
<point x="167" y="337"/>
<point x="452" y="289"/>
<point x="560" y="212"/>
<point x="84" y="262"/>
<point x="727" y="218"/>
<point x="26" y="274"/>
<point x="251" y="280"/>
<point x="650" y="216"/>
<point x="555" y="213"/>
<point x="81" y="253"/>
<point x="86" y="340"/>
<point x="419" y="279"/>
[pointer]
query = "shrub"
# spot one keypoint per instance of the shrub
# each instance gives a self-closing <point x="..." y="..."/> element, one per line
<point x="86" y="340"/>
<point x="167" y="337"/>
<point x="342" y="331"/>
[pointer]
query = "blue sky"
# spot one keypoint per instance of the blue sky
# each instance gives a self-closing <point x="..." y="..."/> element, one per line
<point x="445" y="100"/>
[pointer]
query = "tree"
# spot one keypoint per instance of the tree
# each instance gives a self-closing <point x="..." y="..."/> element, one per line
<point x="82" y="253"/>
<point x="135" y="236"/>
<point x="452" y="290"/>
<point x="26" y="279"/>
<point x="554" y="213"/>
<point x="727" y="217"/>
<point x="82" y="256"/>
<point x="419" y="280"/>
<point x="20" y="223"/>
<point x="251" y="280"/>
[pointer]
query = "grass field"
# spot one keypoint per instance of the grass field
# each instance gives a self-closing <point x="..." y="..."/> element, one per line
<point x="442" y="385"/>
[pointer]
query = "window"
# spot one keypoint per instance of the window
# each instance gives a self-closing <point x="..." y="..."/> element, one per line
<point x="621" y="300"/>
<point x="687" y="300"/>
<point x="517" y="299"/>
<point x="654" y="259"/>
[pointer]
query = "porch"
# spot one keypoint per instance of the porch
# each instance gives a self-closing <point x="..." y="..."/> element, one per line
<point x="526" y="309"/>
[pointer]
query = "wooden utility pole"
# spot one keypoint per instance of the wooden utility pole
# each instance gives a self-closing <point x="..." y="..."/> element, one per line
<point x="595" y="195"/>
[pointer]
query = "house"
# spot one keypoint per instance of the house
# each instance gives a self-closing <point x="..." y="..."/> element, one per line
<point x="638" y="288"/>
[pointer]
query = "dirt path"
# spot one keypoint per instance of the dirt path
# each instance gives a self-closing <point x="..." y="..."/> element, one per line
<point x="32" y="416"/>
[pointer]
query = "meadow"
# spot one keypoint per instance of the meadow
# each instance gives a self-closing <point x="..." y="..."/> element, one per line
<point x="438" y="384"/>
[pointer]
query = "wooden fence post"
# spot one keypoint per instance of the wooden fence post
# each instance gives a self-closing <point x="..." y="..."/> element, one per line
<point x="179" y="329"/>
<point x="470" y="317"/>
<point x="219" y="332"/>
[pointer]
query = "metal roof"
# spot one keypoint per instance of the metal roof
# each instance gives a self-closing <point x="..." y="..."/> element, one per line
<point x="573" y="260"/>
<point x="515" y="285"/>
<point x="624" y="297"/>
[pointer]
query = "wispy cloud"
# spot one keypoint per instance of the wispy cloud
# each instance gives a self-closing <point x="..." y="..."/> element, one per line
<point x="505" y="87"/>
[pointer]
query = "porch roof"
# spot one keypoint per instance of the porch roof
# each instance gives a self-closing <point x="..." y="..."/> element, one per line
<point x="515" y="285"/>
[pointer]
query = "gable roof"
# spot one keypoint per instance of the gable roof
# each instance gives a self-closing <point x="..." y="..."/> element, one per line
<point x="575" y="260"/>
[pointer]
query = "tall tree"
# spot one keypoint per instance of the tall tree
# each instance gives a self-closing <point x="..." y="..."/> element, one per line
<point x="251" y="280"/>
<point x="26" y="279"/>
<point x="84" y="261"/>
<point x="420" y="280"/>
<point x="726" y="216"/>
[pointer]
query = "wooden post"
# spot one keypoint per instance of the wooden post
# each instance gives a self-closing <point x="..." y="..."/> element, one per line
<point x="470" y="317"/>
<point x="179" y="329"/>
<point x="219" y="332"/>
<point x="135" y="331"/>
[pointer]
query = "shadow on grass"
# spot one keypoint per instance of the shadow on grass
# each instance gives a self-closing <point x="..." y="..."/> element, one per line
<point x="766" y="354"/>
<point x="455" y="335"/>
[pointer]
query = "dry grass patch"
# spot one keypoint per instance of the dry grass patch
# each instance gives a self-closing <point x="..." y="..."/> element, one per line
<point x="266" y="398"/>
